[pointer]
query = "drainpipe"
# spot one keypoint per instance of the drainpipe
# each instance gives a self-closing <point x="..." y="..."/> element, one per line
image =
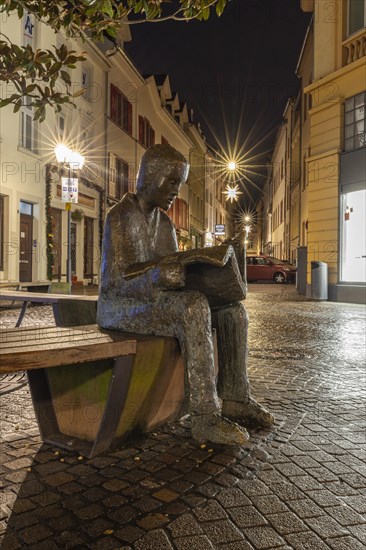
<point x="106" y="164"/>
<point x="300" y="164"/>
<point x="287" y="238"/>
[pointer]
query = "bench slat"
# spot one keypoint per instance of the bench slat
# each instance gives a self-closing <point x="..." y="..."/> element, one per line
<point x="64" y="355"/>
<point x="57" y="346"/>
<point x="53" y="345"/>
<point x="45" y="297"/>
<point x="51" y="334"/>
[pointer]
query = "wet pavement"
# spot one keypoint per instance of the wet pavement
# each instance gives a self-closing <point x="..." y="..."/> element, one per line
<point x="300" y="485"/>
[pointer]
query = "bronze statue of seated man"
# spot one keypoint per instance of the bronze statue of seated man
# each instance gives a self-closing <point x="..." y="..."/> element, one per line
<point x="139" y="238"/>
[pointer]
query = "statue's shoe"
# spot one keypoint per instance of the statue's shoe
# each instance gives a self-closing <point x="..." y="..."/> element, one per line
<point x="217" y="429"/>
<point x="249" y="414"/>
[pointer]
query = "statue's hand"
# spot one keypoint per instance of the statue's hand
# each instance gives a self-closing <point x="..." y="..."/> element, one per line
<point x="172" y="273"/>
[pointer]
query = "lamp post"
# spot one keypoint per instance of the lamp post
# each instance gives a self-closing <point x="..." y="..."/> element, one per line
<point x="72" y="161"/>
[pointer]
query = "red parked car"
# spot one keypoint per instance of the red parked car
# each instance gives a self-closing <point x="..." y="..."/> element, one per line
<point x="267" y="268"/>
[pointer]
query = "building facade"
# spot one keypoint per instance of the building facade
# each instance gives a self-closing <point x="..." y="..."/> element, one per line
<point x="325" y="190"/>
<point x="117" y="117"/>
<point x="336" y="166"/>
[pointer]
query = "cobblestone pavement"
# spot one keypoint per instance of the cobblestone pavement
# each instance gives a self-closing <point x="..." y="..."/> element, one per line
<point x="300" y="485"/>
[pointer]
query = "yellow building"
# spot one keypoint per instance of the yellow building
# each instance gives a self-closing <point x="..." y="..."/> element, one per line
<point x="336" y="164"/>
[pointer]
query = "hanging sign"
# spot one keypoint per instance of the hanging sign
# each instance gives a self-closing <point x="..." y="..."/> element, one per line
<point x="219" y="229"/>
<point x="70" y="190"/>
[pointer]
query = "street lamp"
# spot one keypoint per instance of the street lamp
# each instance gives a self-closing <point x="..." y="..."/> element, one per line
<point x="232" y="193"/>
<point x="73" y="161"/>
<point x="231" y="166"/>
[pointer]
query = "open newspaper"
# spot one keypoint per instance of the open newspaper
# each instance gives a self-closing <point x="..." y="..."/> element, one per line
<point x="213" y="271"/>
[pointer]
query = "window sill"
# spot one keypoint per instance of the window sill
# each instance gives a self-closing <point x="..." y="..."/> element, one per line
<point x="354" y="149"/>
<point x="28" y="152"/>
<point x="120" y="127"/>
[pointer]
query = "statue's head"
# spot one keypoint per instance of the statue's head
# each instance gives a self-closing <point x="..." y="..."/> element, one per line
<point x="162" y="172"/>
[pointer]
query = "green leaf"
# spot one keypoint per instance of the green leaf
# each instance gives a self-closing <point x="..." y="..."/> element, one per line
<point x="220" y="6"/>
<point x="65" y="77"/>
<point x="107" y="8"/>
<point x="17" y="106"/>
<point x="206" y="13"/>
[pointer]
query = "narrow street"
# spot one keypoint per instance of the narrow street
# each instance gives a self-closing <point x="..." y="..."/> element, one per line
<point x="300" y="485"/>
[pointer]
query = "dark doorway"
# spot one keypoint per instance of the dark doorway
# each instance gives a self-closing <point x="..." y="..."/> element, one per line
<point x="57" y="241"/>
<point x="25" y="251"/>
<point x="88" y="247"/>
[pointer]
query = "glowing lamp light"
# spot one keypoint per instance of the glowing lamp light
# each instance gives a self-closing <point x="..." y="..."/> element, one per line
<point x="232" y="193"/>
<point x="66" y="155"/>
<point x="247" y="229"/>
<point x="247" y="218"/>
<point x="231" y="166"/>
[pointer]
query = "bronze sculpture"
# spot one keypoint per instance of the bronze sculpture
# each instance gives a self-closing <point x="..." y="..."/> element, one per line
<point x="142" y="290"/>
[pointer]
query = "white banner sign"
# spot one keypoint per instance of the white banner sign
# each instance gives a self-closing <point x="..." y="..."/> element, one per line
<point x="69" y="189"/>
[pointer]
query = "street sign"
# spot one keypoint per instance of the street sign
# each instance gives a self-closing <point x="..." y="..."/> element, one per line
<point x="220" y="229"/>
<point x="70" y="190"/>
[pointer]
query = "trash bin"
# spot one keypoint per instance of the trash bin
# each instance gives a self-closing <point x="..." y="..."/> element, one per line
<point x="319" y="281"/>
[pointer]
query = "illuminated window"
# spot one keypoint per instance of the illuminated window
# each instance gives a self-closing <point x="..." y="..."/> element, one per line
<point x="353" y="236"/>
<point x="355" y="122"/>
<point x="356" y="15"/>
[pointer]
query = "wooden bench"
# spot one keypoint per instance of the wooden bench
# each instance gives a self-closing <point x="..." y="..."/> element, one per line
<point x="31" y="286"/>
<point x="92" y="387"/>
<point x="84" y="306"/>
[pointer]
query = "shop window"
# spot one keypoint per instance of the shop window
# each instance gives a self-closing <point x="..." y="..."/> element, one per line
<point x="146" y="133"/>
<point x="353" y="231"/>
<point x="356" y="15"/>
<point x="355" y="122"/>
<point x="121" y="110"/>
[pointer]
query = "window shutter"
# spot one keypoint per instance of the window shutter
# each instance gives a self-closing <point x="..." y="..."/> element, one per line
<point x="112" y="183"/>
<point x="125" y="178"/>
<point x="125" y="114"/>
<point x="152" y="136"/>
<point x="129" y="123"/>
<point x="113" y="108"/>
<point x="141" y="129"/>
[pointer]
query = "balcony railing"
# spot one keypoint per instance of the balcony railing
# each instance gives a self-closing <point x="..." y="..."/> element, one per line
<point x="355" y="46"/>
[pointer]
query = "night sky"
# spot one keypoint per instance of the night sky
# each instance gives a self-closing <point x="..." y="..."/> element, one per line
<point x="236" y="71"/>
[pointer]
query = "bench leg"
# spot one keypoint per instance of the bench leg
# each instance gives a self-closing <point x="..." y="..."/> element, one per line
<point x="47" y="419"/>
<point x="56" y="315"/>
<point x="21" y="314"/>
<point x="116" y="399"/>
<point x="42" y="402"/>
